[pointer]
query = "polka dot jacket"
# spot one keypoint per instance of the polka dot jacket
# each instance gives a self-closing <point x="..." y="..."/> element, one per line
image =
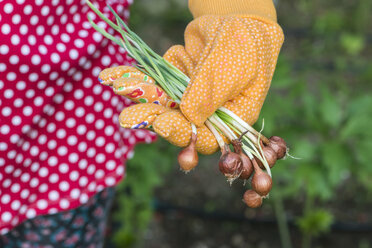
<point x="60" y="139"/>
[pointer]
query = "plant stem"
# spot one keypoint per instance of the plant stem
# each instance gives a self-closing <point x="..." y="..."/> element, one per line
<point x="284" y="233"/>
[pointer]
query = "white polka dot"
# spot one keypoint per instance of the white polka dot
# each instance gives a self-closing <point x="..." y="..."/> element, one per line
<point x="2" y="68"/>
<point x="64" y="186"/>
<point x="11" y="76"/>
<point x="91" y="135"/>
<point x="84" y="198"/>
<point x="73" y="157"/>
<point x="83" y="164"/>
<point x="97" y="37"/>
<point x="110" y="181"/>
<point x="87" y="82"/>
<point x="111" y="165"/>
<point x="49" y="91"/>
<point x="61" y="48"/>
<point x="6" y="111"/>
<point x="88" y="101"/>
<point x="8" y="93"/>
<point x="53" y="75"/>
<point x="27" y="111"/>
<point x="18" y="103"/>
<point x="82" y="147"/>
<point x="16" y="120"/>
<point x="5" y="29"/>
<point x="99" y="124"/>
<point x="74" y="54"/>
<point x="15" y="205"/>
<point x="55" y="58"/>
<point x="55" y="29"/>
<point x="79" y="112"/>
<point x="48" y="39"/>
<point x="32" y="40"/>
<point x="63" y="168"/>
<point x="53" y="161"/>
<point x="24" y="68"/>
<point x="42" y="204"/>
<point x="4" y="49"/>
<point x="65" y="66"/>
<point x="53" y="195"/>
<point x="35" y="59"/>
<point x="43" y="188"/>
<point x="34" y="20"/>
<point x="98" y="107"/>
<point x="70" y="123"/>
<point x="16" y="19"/>
<point x="75" y="193"/>
<point x="15" y="188"/>
<point x="45" y="68"/>
<point x="45" y="11"/>
<point x="34" y="182"/>
<point x="100" y="158"/>
<point x="6" y="217"/>
<point x="23" y="29"/>
<point x="61" y="133"/>
<point x="83" y="181"/>
<point x="4" y="129"/>
<point x="53" y="178"/>
<point x="38" y="101"/>
<point x="42" y="49"/>
<point x="15" y="39"/>
<point x="79" y="43"/>
<point x="69" y="105"/>
<point x="30" y="93"/>
<point x="33" y="77"/>
<point x="74" y="175"/>
<point x="91" y="152"/>
<point x="99" y="174"/>
<point x="27" y="9"/>
<point x="43" y="172"/>
<point x="105" y="60"/>
<point x="81" y="129"/>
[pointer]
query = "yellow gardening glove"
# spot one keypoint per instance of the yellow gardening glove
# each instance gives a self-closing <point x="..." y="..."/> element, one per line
<point x="162" y="117"/>
<point x="133" y="84"/>
<point x="230" y="54"/>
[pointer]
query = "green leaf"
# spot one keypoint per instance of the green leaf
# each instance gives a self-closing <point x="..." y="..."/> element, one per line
<point x="315" y="222"/>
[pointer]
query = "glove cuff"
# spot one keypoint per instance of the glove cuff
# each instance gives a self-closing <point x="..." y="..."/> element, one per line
<point x="262" y="8"/>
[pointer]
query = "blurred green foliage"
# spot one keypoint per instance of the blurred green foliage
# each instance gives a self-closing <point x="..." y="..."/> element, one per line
<point x="134" y="196"/>
<point x="320" y="102"/>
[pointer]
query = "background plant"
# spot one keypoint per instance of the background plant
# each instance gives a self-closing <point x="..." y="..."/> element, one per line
<point x="320" y="101"/>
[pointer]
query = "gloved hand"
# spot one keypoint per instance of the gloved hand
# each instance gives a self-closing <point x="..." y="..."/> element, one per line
<point x="230" y="58"/>
<point x="163" y="117"/>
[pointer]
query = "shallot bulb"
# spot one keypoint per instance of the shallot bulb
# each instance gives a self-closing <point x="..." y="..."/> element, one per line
<point x="270" y="157"/>
<point x="279" y="146"/>
<point x="252" y="199"/>
<point x="188" y="158"/>
<point x="247" y="163"/>
<point x="261" y="181"/>
<point x="230" y="164"/>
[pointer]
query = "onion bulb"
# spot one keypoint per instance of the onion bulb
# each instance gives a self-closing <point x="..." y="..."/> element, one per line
<point x="279" y="146"/>
<point x="261" y="181"/>
<point x="230" y="164"/>
<point x="247" y="163"/>
<point x="252" y="199"/>
<point x="188" y="158"/>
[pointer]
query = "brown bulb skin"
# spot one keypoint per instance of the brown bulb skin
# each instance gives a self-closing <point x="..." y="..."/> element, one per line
<point x="261" y="181"/>
<point x="246" y="162"/>
<point x="230" y="164"/>
<point x="252" y="199"/>
<point x="188" y="158"/>
<point x="279" y="146"/>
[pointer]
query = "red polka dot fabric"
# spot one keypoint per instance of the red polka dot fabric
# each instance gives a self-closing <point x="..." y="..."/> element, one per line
<point x="60" y="138"/>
